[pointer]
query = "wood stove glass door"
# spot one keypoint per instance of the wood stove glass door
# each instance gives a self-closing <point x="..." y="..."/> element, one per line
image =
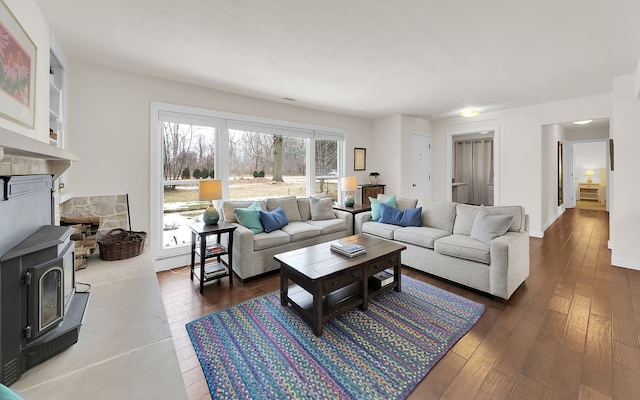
<point x="51" y="307"/>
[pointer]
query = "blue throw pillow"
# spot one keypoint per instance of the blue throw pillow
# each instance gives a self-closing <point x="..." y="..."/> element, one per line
<point x="250" y="217"/>
<point x="273" y="220"/>
<point x="375" y="206"/>
<point x="408" y="217"/>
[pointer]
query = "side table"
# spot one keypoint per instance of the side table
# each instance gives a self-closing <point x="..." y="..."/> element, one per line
<point x="357" y="208"/>
<point x="217" y="268"/>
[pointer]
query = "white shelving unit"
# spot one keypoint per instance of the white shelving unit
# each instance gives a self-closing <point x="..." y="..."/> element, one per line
<point x="58" y="107"/>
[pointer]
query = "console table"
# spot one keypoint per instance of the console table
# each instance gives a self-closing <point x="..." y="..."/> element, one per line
<point x="588" y="191"/>
<point x="199" y="233"/>
<point x="370" y="190"/>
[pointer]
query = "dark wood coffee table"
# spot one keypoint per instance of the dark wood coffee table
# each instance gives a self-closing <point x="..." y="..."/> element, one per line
<point x="327" y="284"/>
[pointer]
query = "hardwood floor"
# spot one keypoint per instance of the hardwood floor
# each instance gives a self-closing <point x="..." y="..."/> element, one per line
<point x="570" y="332"/>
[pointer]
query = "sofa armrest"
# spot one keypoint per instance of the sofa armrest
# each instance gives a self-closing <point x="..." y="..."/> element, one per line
<point x="360" y="219"/>
<point x="347" y="217"/>
<point x="242" y="248"/>
<point x="509" y="263"/>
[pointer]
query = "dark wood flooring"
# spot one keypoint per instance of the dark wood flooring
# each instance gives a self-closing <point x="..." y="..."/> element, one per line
<point x="570" y="332"/>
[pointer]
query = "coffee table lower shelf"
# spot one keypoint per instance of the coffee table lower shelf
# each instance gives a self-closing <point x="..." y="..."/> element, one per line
<point x="333" y="304"/>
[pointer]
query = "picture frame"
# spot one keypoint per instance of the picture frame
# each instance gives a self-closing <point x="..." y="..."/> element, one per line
<point x="18" y="70"/>
<point x="560" y="180"/>
<point x="359" y="159"/>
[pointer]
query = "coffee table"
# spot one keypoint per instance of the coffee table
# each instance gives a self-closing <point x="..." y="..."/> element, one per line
<point x="327" y="284"/>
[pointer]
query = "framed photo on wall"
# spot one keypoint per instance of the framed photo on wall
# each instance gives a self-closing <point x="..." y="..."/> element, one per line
<point x="17" y="80"/>
<point x="359" y="159"/>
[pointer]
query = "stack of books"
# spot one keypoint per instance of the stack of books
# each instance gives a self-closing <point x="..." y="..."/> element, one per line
<point x="214" y="269"/>
<point x="349" y="250"/>
<point x="381" y="279"/>
<point x="214" y="249"/>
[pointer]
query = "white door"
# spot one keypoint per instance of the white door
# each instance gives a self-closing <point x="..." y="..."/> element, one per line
<point x="420" y="166"/>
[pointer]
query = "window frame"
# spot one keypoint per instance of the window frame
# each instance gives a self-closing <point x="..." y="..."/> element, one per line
<point x="222" y="121"/>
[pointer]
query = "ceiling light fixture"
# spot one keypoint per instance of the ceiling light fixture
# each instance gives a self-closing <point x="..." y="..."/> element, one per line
<point x="469" y="112"/>
<point x="586" y="121"/>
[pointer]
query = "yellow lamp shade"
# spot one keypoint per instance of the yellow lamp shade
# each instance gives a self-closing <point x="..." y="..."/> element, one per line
<point x="209" y="189"/>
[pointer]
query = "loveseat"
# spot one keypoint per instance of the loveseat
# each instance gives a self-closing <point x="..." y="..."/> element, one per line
<point x="458" y="242"/>
<point x="309" y="221"/>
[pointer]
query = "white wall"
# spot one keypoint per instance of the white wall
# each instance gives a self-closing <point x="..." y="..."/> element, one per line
<point x="382" y="151"/>
<point x="551" y="135"/>
<point x="625" y="213"/>
<point x="109" y="129"/>
<point x="520" y="152"/>
<point x="29" y="16"/>
<point x="589" y="155"/>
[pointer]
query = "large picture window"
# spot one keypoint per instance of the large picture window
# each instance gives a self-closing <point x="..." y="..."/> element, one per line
<point x="254" y="157"/>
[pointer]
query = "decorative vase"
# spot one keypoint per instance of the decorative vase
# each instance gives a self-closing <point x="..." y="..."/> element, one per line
<point x="373" y="179"/>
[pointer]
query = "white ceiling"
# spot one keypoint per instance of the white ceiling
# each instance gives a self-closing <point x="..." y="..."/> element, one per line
<point x="368" y="58"/>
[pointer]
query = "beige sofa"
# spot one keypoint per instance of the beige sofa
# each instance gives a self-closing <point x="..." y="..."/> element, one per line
<point x="443" y="245"/>
<point x="253" y="253"/>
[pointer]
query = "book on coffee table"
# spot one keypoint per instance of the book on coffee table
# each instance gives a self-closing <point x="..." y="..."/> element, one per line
<point x="381" y="279"/>
<point x="349" y="250"/>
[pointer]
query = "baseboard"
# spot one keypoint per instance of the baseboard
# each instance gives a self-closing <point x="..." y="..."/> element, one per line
<point x="536" y="234"/>
<point x="621" y="262"/>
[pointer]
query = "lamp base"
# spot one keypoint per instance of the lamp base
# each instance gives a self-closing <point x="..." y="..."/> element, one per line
<point x="349" y="201"/>
<point x="211" y="216"/>
<point x="589" y="180"/>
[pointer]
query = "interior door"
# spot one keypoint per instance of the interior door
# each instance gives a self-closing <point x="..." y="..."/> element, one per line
<point x="420" y="166"/>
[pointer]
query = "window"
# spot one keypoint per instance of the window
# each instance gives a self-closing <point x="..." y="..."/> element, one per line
<point x="254" y="157"/>
<point x="188" y="156"/>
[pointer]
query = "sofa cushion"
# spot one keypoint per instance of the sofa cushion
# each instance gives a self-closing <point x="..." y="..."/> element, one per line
<point x="375" y="206"/>
<point x="379" y="229"/>
<point x="462" y="246"/>
<point x="229" y="207"/>
<point x="466" y="215"/>
<point x="299" y="230"/>
<point x="273" y="220"/>
<point x="328" y="226"/>
<point x="288" y="204"/>
<point x="487" y="227"/>
<point x="321" y="208"/>
<point x="401" y="203"/>
<point x="250" y="218"/>
<point x="438" y="214"/>
<point x="266" y="240"/>
<point x="419" y="235"/>
<point x="407" y="217"/>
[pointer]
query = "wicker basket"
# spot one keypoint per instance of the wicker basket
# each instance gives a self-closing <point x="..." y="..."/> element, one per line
<point x="119" y="244"/>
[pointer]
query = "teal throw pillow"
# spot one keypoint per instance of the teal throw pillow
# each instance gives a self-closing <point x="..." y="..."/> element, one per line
<point x="250" y="217"/>
<point x="375" y="206"/>
<point x="273" y="220"/>
<point x="407" y="217"/>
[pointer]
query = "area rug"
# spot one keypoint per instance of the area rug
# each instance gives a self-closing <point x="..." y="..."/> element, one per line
<point x="261" y="350"/>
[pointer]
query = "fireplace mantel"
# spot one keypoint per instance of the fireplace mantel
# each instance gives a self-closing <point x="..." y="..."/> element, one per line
<point x="17" y="145"/>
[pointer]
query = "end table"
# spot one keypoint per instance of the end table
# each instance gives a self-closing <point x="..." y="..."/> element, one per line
<point x="217" y="268"/>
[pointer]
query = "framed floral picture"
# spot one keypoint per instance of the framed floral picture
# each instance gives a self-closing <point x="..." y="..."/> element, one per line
<point x="17" y="70"/>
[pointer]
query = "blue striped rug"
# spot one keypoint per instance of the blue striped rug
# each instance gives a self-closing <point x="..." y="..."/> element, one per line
<point x="261" y="350"/>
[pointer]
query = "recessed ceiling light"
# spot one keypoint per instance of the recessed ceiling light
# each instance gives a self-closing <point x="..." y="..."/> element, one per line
<point x="469" y="112"/>
<point x="586" y="121"/>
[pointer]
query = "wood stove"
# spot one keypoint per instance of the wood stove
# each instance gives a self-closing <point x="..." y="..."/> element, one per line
<point x="40" y="311"/>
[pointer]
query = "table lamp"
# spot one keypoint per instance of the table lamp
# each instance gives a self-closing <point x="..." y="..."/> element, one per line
<point x="589" y="173"/>
<point x="209" y="190"/>
<point x="349" y="184"/>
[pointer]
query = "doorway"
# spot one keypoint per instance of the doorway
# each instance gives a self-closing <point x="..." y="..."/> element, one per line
<point x="420" y="166"/>
<point x="473" y="168"/>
